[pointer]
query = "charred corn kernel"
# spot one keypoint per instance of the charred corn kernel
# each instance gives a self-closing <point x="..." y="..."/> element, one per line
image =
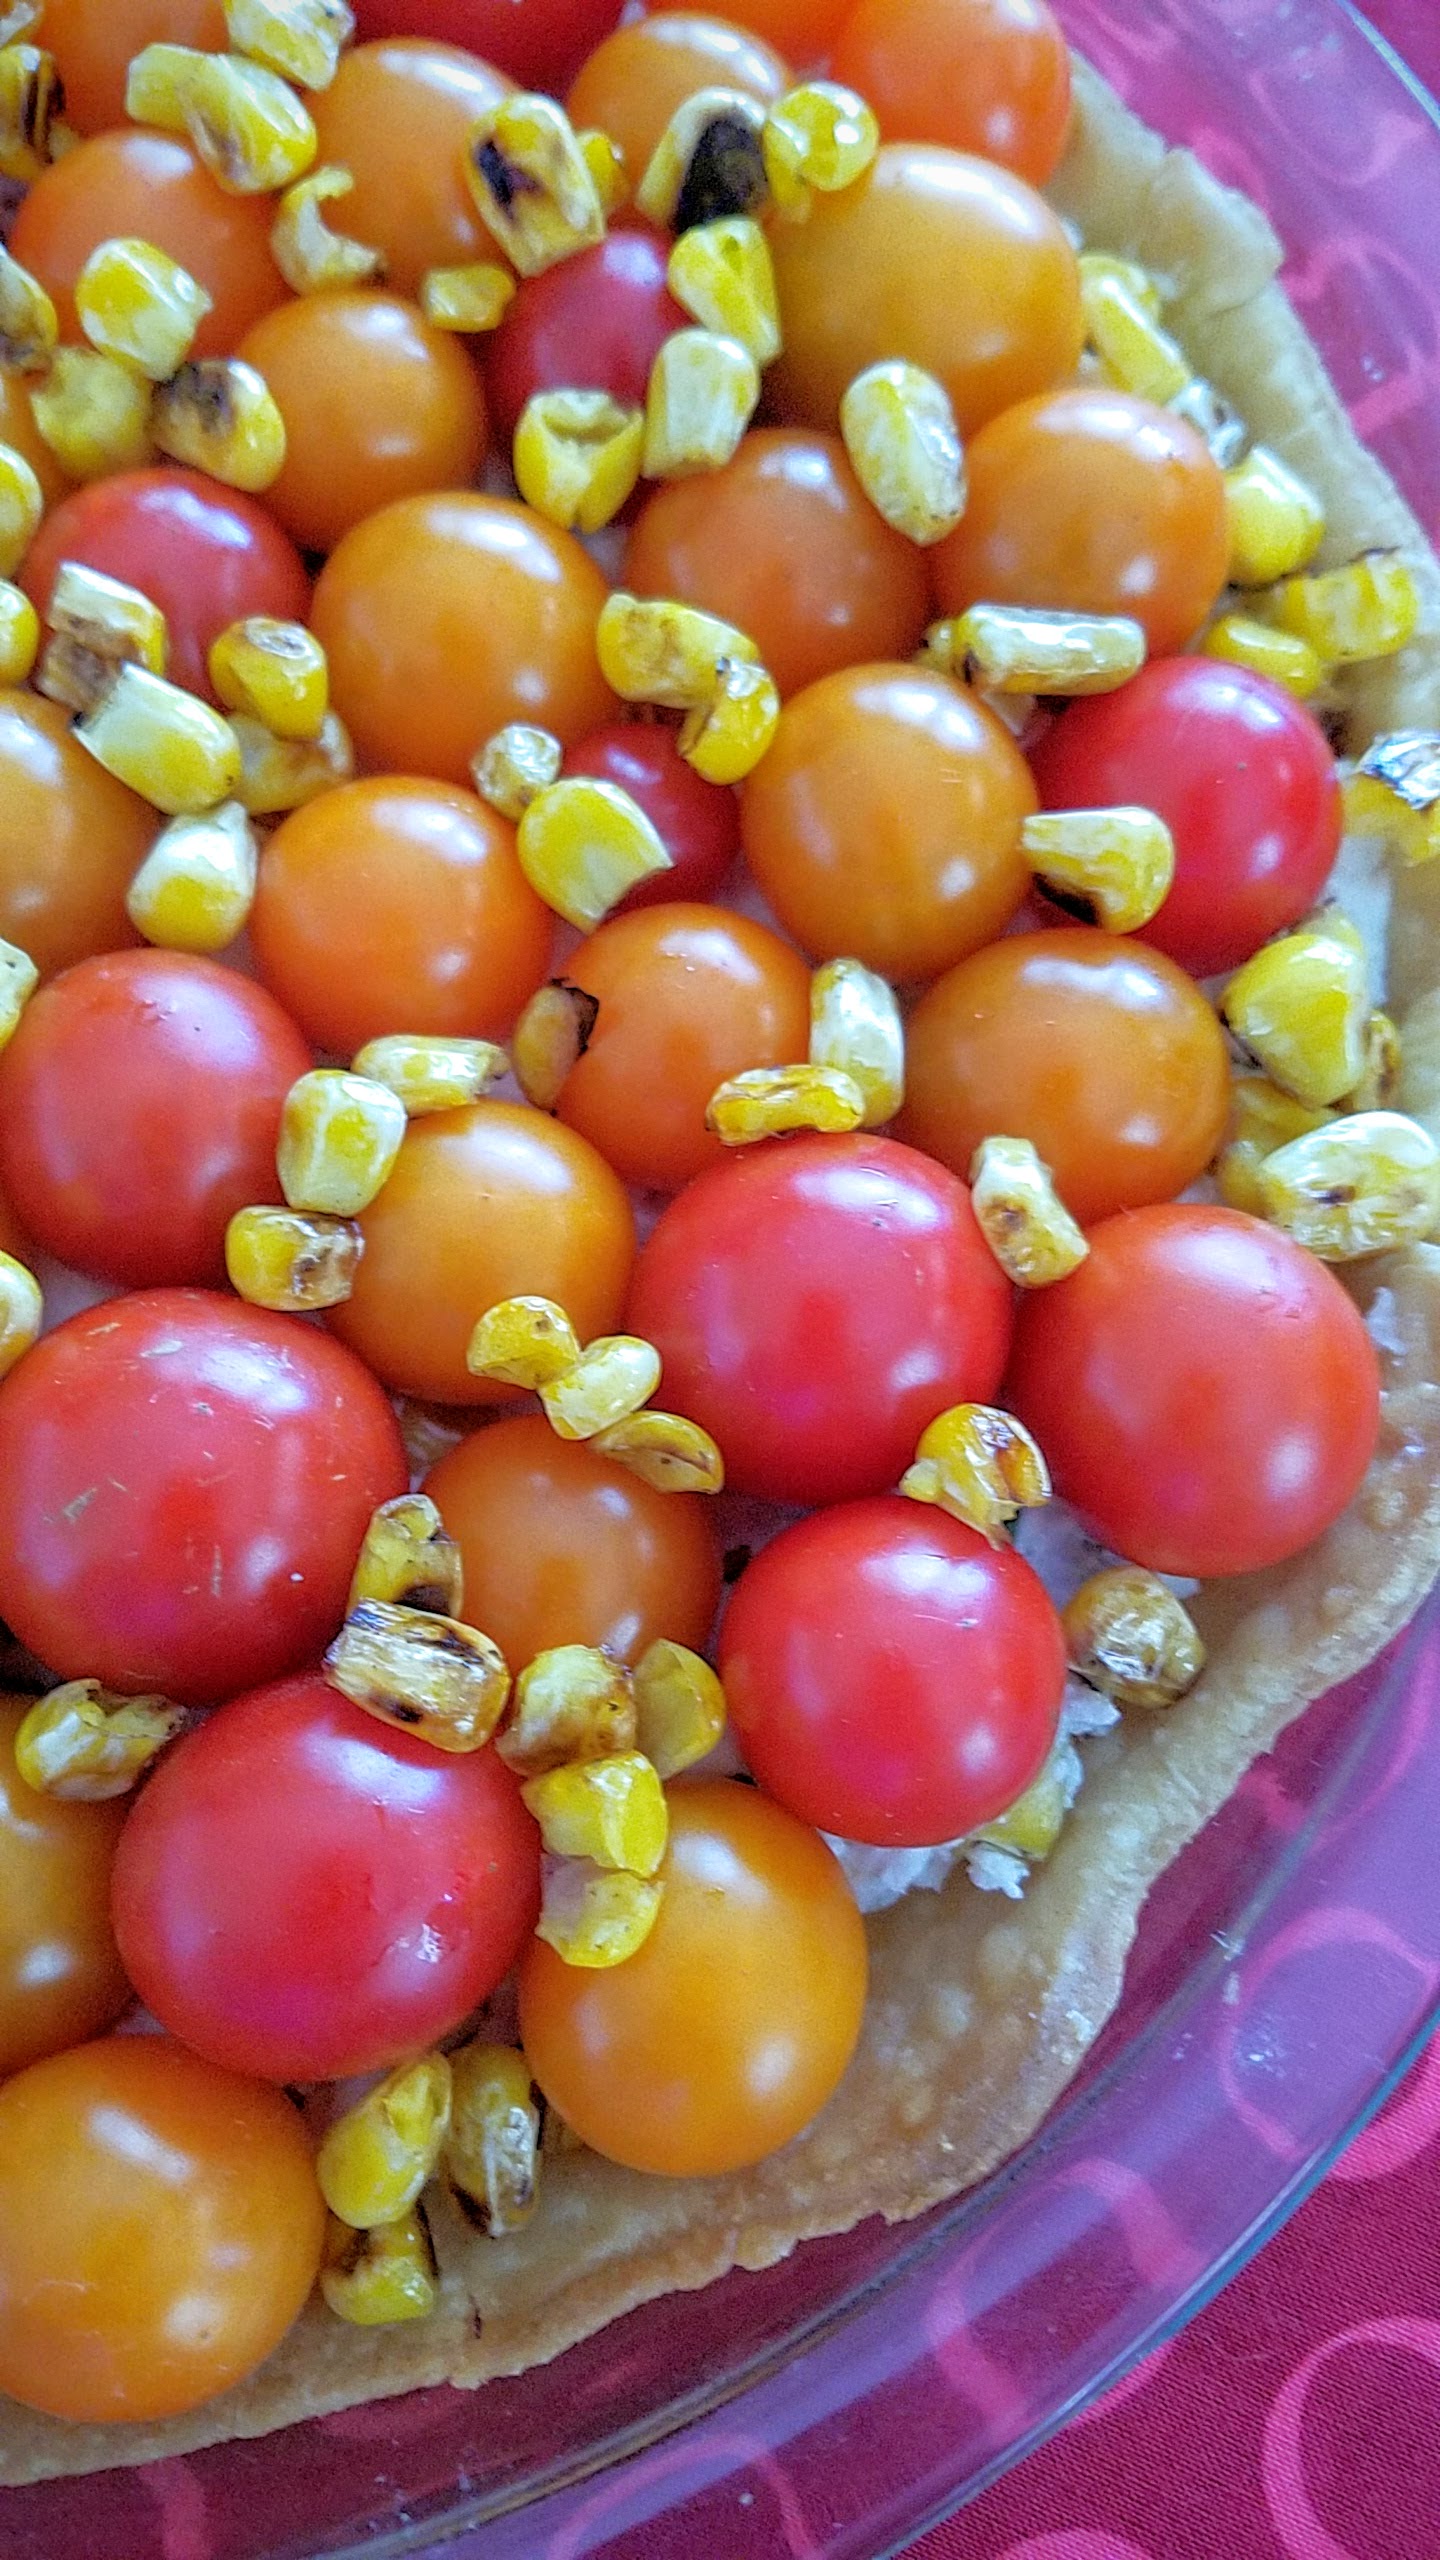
<point x="301" y="39"/>
<point x="1022" y="1217"/>
<point x="275" y="671"/>
<point x="19" y="634"/>
<point x="1137" y="352"/>
<point x="577" y="457"/>
<point x="855" y="1025"/>
<point x="94" y="414"/>
<point x="196" y="886"/>
<point x="442" y="1681"/>
<point x="771" y="1102"/>
<point x="310" y="256"/>
<point x="551" y="1036"/>
<point x="1300" y="1008"/>
<point x="22" y="504"/>
<point x="725" y="737"/>
<point x="97" y="625"/>
<point x="1262" y="1118"/>
<point x="471" y="300"/>
<point x="376" y="2278"/>
<point x="29" y="328"/>
<point x="515" y="766"/>
<point x="1277" y="523"/>
<point x="1128" y="1635"/>
<point x="22" y="1305"/>
<point x="220" y="416"/>
<point x="1368" y="609"/>
<point x="19" y="979"/>
<point x="582" y="844"/>
<point x="571" y="1703"/>
<point x="86" y="1744"/>
<point x="1394" y="792"/>
<point x="708" y="163"/>
<point x="595" y="1916"/>
<point x="171" y="748"/>
<point x="277" y="774"/>
<point x="1014" y="649"/>
<point x="610" y="1811"/>
<point x="1032" y="1824"/>
<point x="608" y="167"/>
<point x="665" y="1450"/>
<point x="409" y="1558"/>
<point x="655" y="650"/>
<point x="1096" y="268"/>
<point x="1114" y="867"/>
<point x="140" y="306"/>
<point x="339" y="1137"/>
<point x="900" y="433"/>
<point x="1215" y="418"/>
<point x="253" y="133"/>
<point x="818" y="138"/>
<point x="679" y="1707"/>
<point x="31" y="100"/>
<point x="614" y="1375"/>
<point x="723" y="275"/>
<point x="703" y="392"/>
<point x="376" y="2157"/>
<point x="492" y="2149"/>
<point x="1359" y="1185"/>
<point x="1380" y="1075"/>
<point x="431" y="1074"/>
<point x="290" y="1260"/>
<point x="1243" y="642"/>
<point x="532" y="184"/>
<point x="523" y="1342"/>
<point x="981" y="1466"/>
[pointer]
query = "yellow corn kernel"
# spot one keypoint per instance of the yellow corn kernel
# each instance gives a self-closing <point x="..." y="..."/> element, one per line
<point x="274" y="671"/>
<point x="1033" y="1823"/>
<point x="515" y="766"/>
<point x="446" y="1683"/>
<point x="1262" y="1118"/>
<point x="725" y="737"/>
<point x="1380" y="1076"/>
<point x="31" y="99"/>
<point x="1368" y="609"/>
<point x="300" y="39"/>
<point x="376" y="2278"/>
<point x="1359" y="1185"/>
<point x="523" y="1342"/>
<point x="138" y="305"/>
<point x="855" y="1025"/>
<point x="339" y="1137"/>
<point x="1016" y="649"/>
<point x="571" y="1703"/>
<point x="409" y="1559"/>
<point x="29" y="328"/>
<point x="594" y="1916"/>
<point x="1243" y="642"/>
<point x="577" y="457"/>
<point x="1096" y="268"/>
<point x="1394" y="792"/>
<point x="610" y="1811"/>
<point x="652" y="649"/>
<point x="19" y="979"/>
<point x="278" y="774"/>
<point x="291" y="1260"/>
<point x="820" y="137"/>
<point x="551" y="1036"/>
<point x="253" y="133"/>
<point x="492" y="2150"/>
<point x="97" y="625"/>
<point x="94" y="414"/>
<point x="19" y="634"/>
<point x="771" y="1102"/>
<point x="723" y="275"/>
<point x="22" y="504"/>
<point x="1113" y="867"/>
<point x="703" y="392"/>
<point x="1021" y="1215"/>
<point x="22" y="1306"/>
<point x="981" y="1466"/>
<point x="310" y="256"/>
<point x="1300" y="1008"/>
<point x="1137" y="353"/>
<point x="196" y="886"/>
<point x="608" y="168"/>
<point x="1277" y="523"/>
<point x="582" y="844"/>
<point x="679" y="1707"/>
<point x="471" y="300"/>
<point x="431" y="1074"/>
<point x="664" y="1450"/>
<point x="85" y="1744"/>
<point x="167" y="745"/>
<point x="532" y="184"/>
<point x="708" y="163"/>
<point x="221" y="417"/>
<point x="614" y="1376"/>
<point x="900" y="433"/>
<point x="376" y="2157"/>
<point x="1128" y="1636"/>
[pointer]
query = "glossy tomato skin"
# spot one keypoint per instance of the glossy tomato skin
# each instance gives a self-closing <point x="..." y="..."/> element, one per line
<point x="94" y="45"/>
<point x="397" y="116"/>
<point x="303" y="1892"/>
<point x="595" y="322"/>
<point x="1244" y="779"/>
<point x="634" y="81"/>
<point x="139" y="1108"/>
<point x="816" y="1302"/>
<point x="698" y="821"/>
<point x="71" y="838"/>
<point x="184" y="1485"/>
<point x="539" y="43"/>
<point x="891" y="1677"/>
<point x="991" y="76"/>
<point x="61" y="1978"/>
<point x="1204" y="1391"/>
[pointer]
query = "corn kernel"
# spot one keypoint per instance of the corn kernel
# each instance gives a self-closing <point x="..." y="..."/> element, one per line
<point x="290" y="1260"/>
<point x="446" y="1683"/>
<point x="725" y="737"/>
<point x="492" y="2150"/>
<point x="1243" y="642"/>
<point x="1113" y="867"/>
<point x="1359" y="1185"/>
<point x="222" y="418"/>
<point x="655" y="650"/>
<point x="523" y="1342"/>
<point x="1129" y="1637"/>
<point x="1096" y="268"/>
<point x="572" y="1702"/>
<point x="409" y="1559"/>
<point x="98" y="625"/>
<point x="531" y="183"/>
<point x="1137" y="353"/>
<point x="703" y="392"/>
<point x="253" y="133"/>
<point x="1394" y="792"/>
<point x="138" y="305"/>
<point x="614" y="1376"/>
<point x="664" y="1450"/>
<point x="577" y="457"/>
<point x="551" y="1036"/>
<point x="582" y="844"/>
<point x="1033" y="1823"/>
<point x="29" y="328"/>
<point x="276" y="672"/>
<point x="981" y="1466"/>
<point x="723" y="275"/>
<point x="771" y="1102"/>
<point x="900" y="433"/>
<point x="376" y="2278"/>
<point x="1016" y="649"/>
<point x="1262" y="1118"/>
<point x="85" y="1744"/>
<point x="31" y="99"/>
<point x="610" y="1811"/>
<point x="1277" y="523"/>
<point x="819" y="137"/>
<point x="195" y="888"/>
<point x="22" y="504"/>
<point x="376" y="2157"/>
<point x="19" y="979"/>
<point x="708" y="163"/>
<point x="171" y="748"/>
<point x="1300" y="1008"/>
<point x="679" y="1707"/>
<point x="339" y="1138"/>
<point x="431" y="1074"/>
<point x="1021" y="1215"/>
<point x="94" y="414"/>
<point x="21" y="1302"/>
<point x="1214" y="418"/>
<point x="515" y="766"/>
<point x="855" y="1025"/>
<point x="471" y="300"/>
<point x="1380" y="1076"/>
<point x="310" y="256"/>
<point x="608" y="168"/>
<point x="302" y="40"/>
<point x="19" y="634"/>
<point x="1368" y="609"/>
<point x="278" y="774"/>
<point x="593" y="1916"/>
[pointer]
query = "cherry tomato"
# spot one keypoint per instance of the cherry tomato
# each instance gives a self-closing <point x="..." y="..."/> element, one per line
<point x="802" y="29"/>
<point x="184" y="1485"/>
<point x="139" y="1108"/>
<point x="1091" y="502"/>
<point x="12" y="1238"/>
<point x="885" y="820"/>
<point x="401" y="608"/>
<point x="1205" y="1392"/>
<point x="1105" y="1056"/>
<point x="990" y="76"/>
<point x="562" y="1546"/>
<point x="784" y="543"/>
<point x="19" y="431"/>
<point x="160" y="2229"/>
<point x="61" y="1978"/>
<point x="94" y="44"/>
<point x="634" y="81"/>
<point x="688" y="995"/>
<point x="539" y="43"/>
<point x="135" y="183"/>
<point x="595" y="322"/>
<point x="303" y="1892"/>
<point x="1243" y="777"/>
<point x="398" y="115"/>
<point x="733" y="2024"/>
<point x="494" y="1202"/>
<point x="398" y="906"/>
<point x="892" y="1677"/>
<point x="698" y="821"/>
<point x="71" y="838"/>
<point x="205" y="554"/>
<point x="816" y="1302"/>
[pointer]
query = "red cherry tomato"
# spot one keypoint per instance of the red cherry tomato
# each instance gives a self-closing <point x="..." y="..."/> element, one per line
<point x="1242" y="776"/>
<point x="303" y="1892"/>
<point x="594" y="323"/>
<point x="139" y="1107"/>
<point x="698" y="821"/>
<point x="891" y="1677"/>
<point x="816" y="1302"/>
<point x="1203" y="1389"/>
<point x="184" y="1485"/>
<point x="539" y="43"/>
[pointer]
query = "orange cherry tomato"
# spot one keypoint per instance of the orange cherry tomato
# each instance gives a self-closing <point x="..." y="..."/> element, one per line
<point x="784" y="543"/>
<point x="944" y="260"/>
<point x="885" y="821"/>
<point x="19" y="431"/>
<point x="160" y="2228"/>
<point x="494" y="1202"/>
<point x="94" y="43"/>
<point x="445" y="617"/>
<point x="803" y="30"/>
<point x="150" y="186"/>
<point x="990" y="76"/>
<point x="377" y="405"/>
<point x="398" y="115"/>
<point x="71" y="839"/>
<point x="688" y="995"/>
<point x="562" y="1546"/>
<point x="1100" y="1052"/>
<point x="734" y="2022"/>
<point x="61" y="1978"/>
<point x="634" y="81"/>
<point x="1092" y="502"/>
